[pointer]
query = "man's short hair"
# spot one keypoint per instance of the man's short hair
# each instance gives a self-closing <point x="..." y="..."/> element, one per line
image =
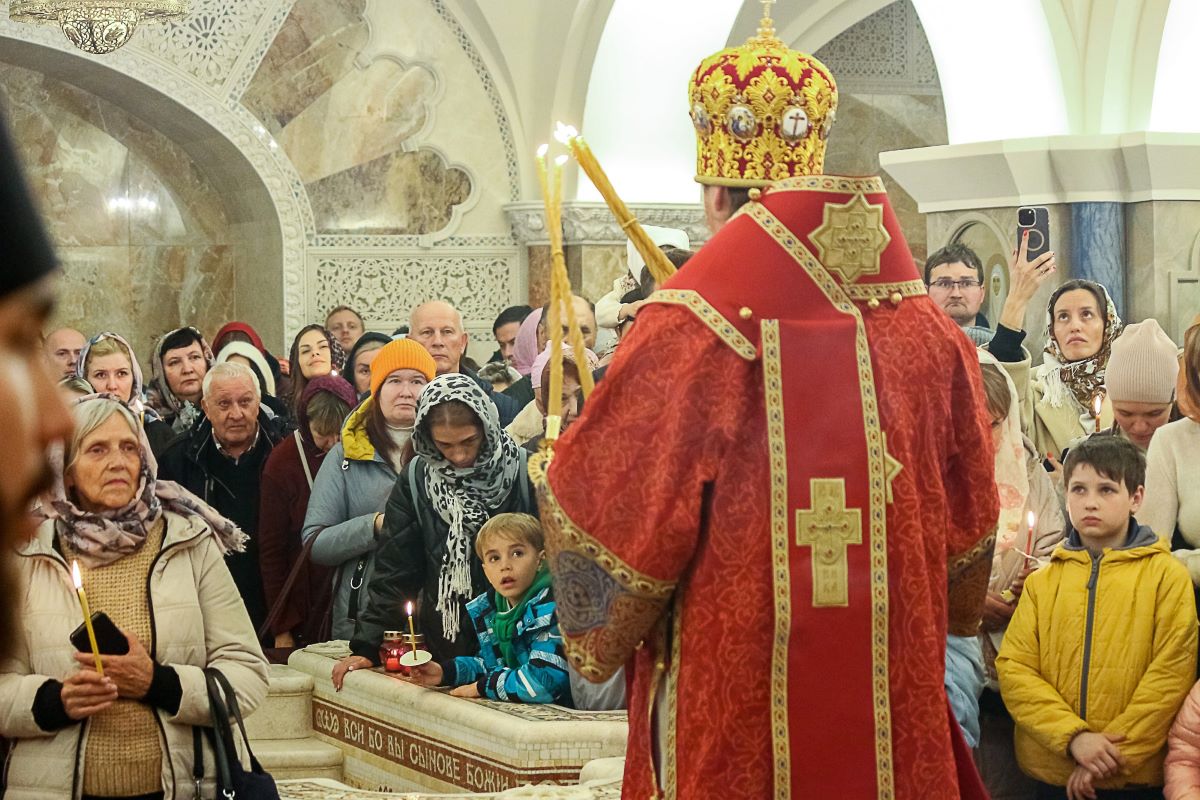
<point x="1114" y="457"/>
<point x="338" y="309"/>
<point x="184" y="337"/>
<point x="510" y="315"/>
<point x="953" y="254"/>
<point x="228" y="370"/>
<point x="521" y="528"/>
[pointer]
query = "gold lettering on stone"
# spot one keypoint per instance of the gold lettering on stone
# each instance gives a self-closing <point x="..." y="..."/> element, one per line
<point x="852" y="238"/>
<point x="829" y="528"/>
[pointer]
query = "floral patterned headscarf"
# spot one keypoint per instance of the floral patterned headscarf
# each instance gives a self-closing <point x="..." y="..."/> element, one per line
<point x="1080" y="380"/>
<point x="180" y="412"/>
<point x="103" y="537"/>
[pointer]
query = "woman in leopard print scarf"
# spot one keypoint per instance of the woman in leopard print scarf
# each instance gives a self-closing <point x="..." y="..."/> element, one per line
<point x="467" y="482"/>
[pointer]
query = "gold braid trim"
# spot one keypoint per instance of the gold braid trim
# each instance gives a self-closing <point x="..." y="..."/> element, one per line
<point x="883" y="291"/>
<point x="717" y="323"/>
<point x="967" y="577"/>
<point x="982" y="550"/>
<point x="829" y="183"/>
<point x="605" y="606"/>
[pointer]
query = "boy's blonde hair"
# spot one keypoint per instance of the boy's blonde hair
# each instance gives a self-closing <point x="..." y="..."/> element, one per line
<point x="521" y="528"/>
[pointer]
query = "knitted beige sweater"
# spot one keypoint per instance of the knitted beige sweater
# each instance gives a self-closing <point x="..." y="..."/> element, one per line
<point x="124" y="750"/>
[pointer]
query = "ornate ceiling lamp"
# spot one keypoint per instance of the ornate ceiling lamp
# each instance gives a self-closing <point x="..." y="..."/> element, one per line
<point x="96" y="26"/>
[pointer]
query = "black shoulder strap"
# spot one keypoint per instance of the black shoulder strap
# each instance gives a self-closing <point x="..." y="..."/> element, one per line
<point x="413" y="467"/>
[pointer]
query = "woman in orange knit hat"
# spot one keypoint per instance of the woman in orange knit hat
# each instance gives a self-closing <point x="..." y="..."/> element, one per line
<point x="352" y="486"/>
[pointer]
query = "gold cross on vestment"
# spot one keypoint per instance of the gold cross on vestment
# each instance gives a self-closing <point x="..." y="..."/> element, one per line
<point x="829" y="528"/>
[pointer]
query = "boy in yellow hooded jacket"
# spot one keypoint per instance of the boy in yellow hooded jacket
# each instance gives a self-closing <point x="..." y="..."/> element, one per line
<point x="1101" y="650"/>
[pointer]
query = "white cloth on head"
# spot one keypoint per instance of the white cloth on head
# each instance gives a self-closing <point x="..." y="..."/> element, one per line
<point x="253" y="354"/>
<point x="662" y="237"/>
<point x="609" y="306"/>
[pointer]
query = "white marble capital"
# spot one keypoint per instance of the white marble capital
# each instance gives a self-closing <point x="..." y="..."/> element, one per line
<point x="593" y="223"/>
<point x="1122" y="168"/>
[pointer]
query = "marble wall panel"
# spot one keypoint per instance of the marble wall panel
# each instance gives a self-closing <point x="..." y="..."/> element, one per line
<point x="364" y="116"/>
<point x="539" y="275"/>
<point x="144" y="237"/>
<point x="402" y="193"/>
<point x="1160" y="244"/>
<point x="314" y="49"/>
<point x="602" y="264"/>
<point x="345" y="125"/>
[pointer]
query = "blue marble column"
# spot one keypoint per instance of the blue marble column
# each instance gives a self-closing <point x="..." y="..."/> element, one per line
<point x="1098" y="247"/>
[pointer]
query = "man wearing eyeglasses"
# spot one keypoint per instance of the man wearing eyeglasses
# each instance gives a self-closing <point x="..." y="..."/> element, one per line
<point x="954" y="276"/>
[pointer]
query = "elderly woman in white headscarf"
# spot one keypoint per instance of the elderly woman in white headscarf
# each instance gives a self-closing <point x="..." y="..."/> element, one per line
<point x="151" y="557"/>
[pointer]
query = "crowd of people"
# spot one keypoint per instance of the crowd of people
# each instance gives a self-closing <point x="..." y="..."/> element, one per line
<point x="369" y="470"/>
<point x="1078" y="684"/>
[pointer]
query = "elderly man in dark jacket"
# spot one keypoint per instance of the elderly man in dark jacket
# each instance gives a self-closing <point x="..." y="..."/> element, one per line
<point x="221" y="458"/>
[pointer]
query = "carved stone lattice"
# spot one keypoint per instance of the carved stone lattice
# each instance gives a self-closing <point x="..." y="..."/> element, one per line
<point x="886" y="53"/>
<point x="387" y="288"/>
<point x="207" y="41"/>
<point x="593" y="223"/>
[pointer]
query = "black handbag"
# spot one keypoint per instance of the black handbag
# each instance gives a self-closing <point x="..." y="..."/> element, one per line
<point x="233" y="781"/>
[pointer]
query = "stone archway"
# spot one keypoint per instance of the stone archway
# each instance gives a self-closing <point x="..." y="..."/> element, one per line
<point x="257" y="183"/>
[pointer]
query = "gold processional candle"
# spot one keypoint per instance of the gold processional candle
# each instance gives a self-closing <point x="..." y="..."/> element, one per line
<point x="659" y="265"/>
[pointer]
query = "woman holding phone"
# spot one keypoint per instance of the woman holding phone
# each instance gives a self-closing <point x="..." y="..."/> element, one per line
<point x="151" y="558"/>
<point x="1059" y="397"/>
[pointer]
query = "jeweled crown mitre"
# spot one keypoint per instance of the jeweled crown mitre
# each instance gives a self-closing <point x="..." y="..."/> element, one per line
<point x="762" y="113"/>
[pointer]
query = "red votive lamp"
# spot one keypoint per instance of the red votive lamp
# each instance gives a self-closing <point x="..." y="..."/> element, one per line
<point x="390" y="651"/>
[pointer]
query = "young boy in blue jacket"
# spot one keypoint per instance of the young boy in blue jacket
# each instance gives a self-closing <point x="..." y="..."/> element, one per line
<point x="520" y="648"/>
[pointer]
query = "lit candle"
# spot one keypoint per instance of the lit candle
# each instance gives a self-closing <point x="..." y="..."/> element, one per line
<point x="660" y="267"/>
<point x="1097" y="404"/>
<point x="1032" y="519"/>
<point x="412" y="632"/>
<point x="87" y="615"/>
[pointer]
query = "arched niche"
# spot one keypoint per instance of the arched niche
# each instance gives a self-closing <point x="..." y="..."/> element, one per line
<point x="265" y="213"/>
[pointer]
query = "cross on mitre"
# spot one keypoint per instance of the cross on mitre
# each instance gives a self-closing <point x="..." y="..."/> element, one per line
<point x="795" y="123"/>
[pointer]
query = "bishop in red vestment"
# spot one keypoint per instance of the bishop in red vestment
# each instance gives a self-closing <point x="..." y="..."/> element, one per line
<point x="762" y="502"/>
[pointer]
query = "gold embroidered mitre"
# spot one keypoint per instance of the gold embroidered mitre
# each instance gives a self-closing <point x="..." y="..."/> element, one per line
<point x="762" y="113"/>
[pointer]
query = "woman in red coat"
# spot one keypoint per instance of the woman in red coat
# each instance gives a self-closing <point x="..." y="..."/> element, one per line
<point x="286" y="484"/>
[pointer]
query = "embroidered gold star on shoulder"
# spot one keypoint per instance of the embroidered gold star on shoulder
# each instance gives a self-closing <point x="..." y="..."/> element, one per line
<point x="852" y="238"/>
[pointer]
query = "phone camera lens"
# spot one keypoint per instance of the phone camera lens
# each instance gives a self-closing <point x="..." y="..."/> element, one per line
<point x="1026" y="217"/>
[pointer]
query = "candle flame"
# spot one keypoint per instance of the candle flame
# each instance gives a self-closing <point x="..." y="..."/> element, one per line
<point x="408" y="608"/>
<point x="558" y="162"/>
<point x="1032" y="520"/>
<point x="565" y="133"/>
<point x="76" y="578"/>
<point x="1097" y="404"/>
<point x="541" y="151"/>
